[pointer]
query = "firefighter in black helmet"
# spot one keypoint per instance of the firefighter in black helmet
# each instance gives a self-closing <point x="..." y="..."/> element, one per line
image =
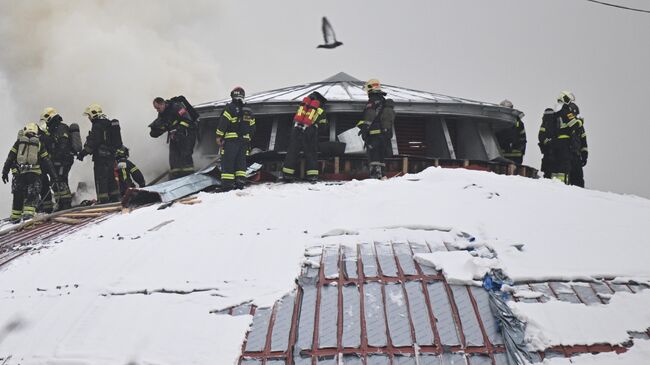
<point x="60" y="146"/>
<point x="512" y="140"/>
<point x="102" y="142"/>
<point x="26" y="159"/>
<point x="127" y="172"/>
<point x="376" y="128"/>
<point x="304" y="136"/>
<point x="234" y="132"/>
<point x="175" y="116"/>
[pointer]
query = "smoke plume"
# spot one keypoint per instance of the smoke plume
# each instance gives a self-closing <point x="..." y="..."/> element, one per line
<point x="121" y="54"/>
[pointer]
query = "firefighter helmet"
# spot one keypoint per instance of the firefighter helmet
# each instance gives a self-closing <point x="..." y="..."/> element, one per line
<point x="238" y="93"/>
<point x="31" y="127"/>
<point x="566" y="97"/>
<point x="506" y="104"/>
<point x="48" y="113"/>
<point x="372" y="85"/>
<point x="93" y="110"/>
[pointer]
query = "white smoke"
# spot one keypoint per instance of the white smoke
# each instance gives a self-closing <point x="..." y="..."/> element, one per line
<point x="120" y="54"/>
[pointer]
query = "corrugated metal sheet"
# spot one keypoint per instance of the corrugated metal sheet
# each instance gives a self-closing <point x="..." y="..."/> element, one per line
<point x="257" y="335"/>
<point x="351" y="317"/>
<point x="328" y="316"/>
<point x="282" y="323"/>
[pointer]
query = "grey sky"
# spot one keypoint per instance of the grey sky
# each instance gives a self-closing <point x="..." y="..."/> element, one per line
<point x="523" y="50"/>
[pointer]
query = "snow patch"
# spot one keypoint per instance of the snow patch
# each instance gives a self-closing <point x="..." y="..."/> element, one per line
<point x="458" y="267"/>
<point x="561" y="323"/>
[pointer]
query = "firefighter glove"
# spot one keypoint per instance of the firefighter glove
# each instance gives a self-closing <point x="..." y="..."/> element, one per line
<point x="5" y="177"/>
<point x="583" y="157"/>
<point x="81" y="155"/>
<point x="219" y="141"/>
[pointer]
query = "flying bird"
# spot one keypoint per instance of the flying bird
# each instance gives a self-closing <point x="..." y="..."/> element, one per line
<point x="329" y="36"/>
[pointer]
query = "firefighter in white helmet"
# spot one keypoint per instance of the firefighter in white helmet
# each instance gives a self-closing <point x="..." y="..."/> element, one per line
<point x="512" y="140"/>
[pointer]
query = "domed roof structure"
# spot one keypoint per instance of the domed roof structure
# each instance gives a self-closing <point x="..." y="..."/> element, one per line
<point x="427" y="126"/>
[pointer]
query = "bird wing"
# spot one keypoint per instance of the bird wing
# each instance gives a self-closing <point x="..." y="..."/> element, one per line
<point x="328" y="32"/>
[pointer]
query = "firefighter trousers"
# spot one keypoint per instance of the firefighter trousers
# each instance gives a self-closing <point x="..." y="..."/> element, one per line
<point x="181" y="147"/>
<point x="26" y="188"/>
<point x="305" y="140"/>
<point x="376" y="145"/>
<point x="45" y="203"/>
<point x="61" y="189"/>
<point x="233" y="162"/>
<point x="576" y="176"/>
<point x="105" y="182"/>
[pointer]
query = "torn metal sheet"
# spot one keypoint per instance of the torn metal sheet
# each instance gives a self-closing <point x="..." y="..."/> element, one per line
<point x="513" y="330"/>
<point x="174" y="189"/>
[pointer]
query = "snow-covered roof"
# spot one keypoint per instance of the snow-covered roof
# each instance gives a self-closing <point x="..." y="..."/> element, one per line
<point x="144" y="287"/>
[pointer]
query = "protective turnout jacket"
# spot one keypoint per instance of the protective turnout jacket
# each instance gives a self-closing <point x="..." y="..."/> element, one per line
<point x="237" y="121"/>
<point x="512" y="140"/>
<point x="174" y="117"/>
<point x="58" y="142"/>
<point x="103" y="139"/>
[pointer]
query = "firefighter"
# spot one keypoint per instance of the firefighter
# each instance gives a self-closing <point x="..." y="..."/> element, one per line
<point x="127" y="172"/>
<point x="234" y="133"/>
<point x="304" y="137"/>
<point x="60" y="147"/>
<point x="175" y="118"/>
<point x="555" y="137"/>
<point x="376" y="128"/>
<point x="102" y="142"/>
<point x="45" y="204"/>
<point x="512" y="140"/>
<point x="580" y="151"/>
<point x="26" y="160"/>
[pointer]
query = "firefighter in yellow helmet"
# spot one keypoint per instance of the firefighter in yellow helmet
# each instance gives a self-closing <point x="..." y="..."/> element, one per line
<point x="26" y="160"/>
<point x="376" y="127"/>
<point x="103" y="140"/>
